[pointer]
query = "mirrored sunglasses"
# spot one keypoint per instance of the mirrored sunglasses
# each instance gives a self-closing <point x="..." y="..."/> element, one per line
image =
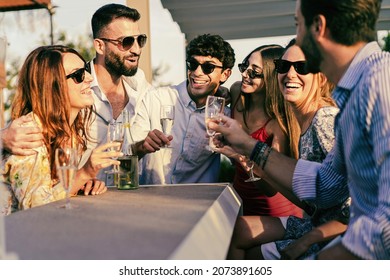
<point x="283" y="66"/>
<point x="78" y="76"/>
<point x="125" y="43"/>
<point x="207" y="67"/>
<point x="251" y="73"/>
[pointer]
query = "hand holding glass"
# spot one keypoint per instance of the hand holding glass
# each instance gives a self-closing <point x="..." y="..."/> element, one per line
<point x="250" y="164"/>
<point x="115" y="133"/>
<point x="167" y="116"/>
<point x="214" y="109"/>
<point x="66" y="164"/>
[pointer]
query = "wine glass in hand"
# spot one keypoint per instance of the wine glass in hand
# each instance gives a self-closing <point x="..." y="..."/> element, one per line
<point x="167" y="116"/>
<point x="214" y="109"/>
<point x="250" y="164"/>
<point x="66" y="165"/>
<point x="115" y="133"/>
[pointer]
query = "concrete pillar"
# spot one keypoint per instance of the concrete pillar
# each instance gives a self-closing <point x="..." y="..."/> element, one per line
<point x="146" y="60"/>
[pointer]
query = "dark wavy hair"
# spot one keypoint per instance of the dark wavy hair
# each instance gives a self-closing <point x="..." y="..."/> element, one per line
<point x="214" y="46"/>
<point x="107" y="13"/>
<point x="43" y="90"/>
<point x="349" y="21"/>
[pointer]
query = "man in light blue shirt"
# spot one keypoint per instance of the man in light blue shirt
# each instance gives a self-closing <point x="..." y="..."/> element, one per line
<point x="338" y="38"/>
<point x="187" y="160"/>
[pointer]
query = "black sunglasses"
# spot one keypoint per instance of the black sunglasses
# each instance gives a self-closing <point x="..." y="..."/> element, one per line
<point x="78" y="76"/>
<point x="283" y="66"/>
<point x="207" y="67"/>
<point x="125" y="43"/>
<point x="251" y="73"/>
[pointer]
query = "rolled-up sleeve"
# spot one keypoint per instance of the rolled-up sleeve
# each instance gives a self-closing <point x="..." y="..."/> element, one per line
<point x="320" y="183"/>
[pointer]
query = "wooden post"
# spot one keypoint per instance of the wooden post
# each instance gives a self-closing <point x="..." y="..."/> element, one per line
<point x="144" y="23"/>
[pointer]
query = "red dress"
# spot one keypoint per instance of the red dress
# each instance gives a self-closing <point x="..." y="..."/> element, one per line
<point x="255" y="201"/>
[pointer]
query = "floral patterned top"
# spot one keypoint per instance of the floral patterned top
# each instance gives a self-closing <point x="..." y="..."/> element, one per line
<point x="26" y="181"/>
<point x="318" y="139"/>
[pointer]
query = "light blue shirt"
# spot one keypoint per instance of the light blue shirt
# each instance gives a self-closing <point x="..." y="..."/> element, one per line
<point x="188" y="160"/>
<point x="360" y="160"/>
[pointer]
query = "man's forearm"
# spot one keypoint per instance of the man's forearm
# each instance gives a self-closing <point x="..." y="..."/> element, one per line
<point x="275" y="167"/>
<point x="336" y="252"/>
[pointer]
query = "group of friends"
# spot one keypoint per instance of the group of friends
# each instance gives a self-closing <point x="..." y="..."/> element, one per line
<point x="312" y="116"/>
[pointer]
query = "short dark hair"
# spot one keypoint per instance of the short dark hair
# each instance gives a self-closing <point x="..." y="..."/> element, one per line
<point x="349" y="21"/>
<point x="107" y="13"/>
<point x="214" y="46"/>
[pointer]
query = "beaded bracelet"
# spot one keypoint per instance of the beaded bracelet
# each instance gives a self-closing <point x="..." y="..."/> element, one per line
<point x="258" y="152"/>
<point x="265" y="156"/>
<point x="256" y="149"/>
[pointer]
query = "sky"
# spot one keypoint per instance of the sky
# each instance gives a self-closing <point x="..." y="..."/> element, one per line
<point x="73" y="16"/>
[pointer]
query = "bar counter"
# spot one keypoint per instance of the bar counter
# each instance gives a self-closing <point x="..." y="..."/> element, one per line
<point x="192" y="221"/>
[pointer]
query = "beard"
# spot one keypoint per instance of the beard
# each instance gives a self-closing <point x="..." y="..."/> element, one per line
<point x="312" y="53"/>
<point x="116" y="66"/>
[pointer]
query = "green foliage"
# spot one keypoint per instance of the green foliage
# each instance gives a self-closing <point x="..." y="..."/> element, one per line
<point x="227" y="170"/>
<point x="83" y="44"/>
<point x="386" y="39"/>
<point x="12" y="75"/>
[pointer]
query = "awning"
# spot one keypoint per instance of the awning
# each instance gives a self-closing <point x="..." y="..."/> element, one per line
<point x="18" y="5"/>
<point x="240" y="19"/>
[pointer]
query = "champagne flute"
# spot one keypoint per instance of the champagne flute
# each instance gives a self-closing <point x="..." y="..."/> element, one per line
<point x="66" y="164"/>
<point x="115" y="133"/>
<point x="214" y="108"/>
<point x="167" y="116"/>
<point x="250" y="164"/>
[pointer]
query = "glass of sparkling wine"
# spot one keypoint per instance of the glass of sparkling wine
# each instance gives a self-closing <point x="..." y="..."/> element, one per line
<point x="115" y="133"/>
<point x="66" y="164"/>
<point x="167" y="116"/>
<point x="250" y="164"/>
<point x="214" y="109"/>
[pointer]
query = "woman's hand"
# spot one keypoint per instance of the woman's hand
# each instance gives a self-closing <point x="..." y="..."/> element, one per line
<point x="94" y="187"/>
<point x="101" y="157"/>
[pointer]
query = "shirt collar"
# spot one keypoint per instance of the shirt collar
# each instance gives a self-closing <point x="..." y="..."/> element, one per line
<point x="185" y="96"/>
<point x="354" y="73"/>
<point x="129" y="81"/>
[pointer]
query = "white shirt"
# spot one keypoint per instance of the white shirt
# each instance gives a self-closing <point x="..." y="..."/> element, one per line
<point x="136" y="88"/>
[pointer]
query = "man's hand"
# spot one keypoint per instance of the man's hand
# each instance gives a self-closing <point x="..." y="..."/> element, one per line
<point x="20" y="138"/>
<point x="152" y="143"/>
<point x="233" y="135"/>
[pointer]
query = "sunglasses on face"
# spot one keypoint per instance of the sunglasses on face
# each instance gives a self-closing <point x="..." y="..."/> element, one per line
<point x="125" y="43"/>
<point x="78" y="76"/>
<point x="207" y="67"/>
<point x="283" y="66"/>
<point x="251" y="73"/>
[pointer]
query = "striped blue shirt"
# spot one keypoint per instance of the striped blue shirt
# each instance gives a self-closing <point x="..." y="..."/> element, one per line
<point x="360" y="160"/>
